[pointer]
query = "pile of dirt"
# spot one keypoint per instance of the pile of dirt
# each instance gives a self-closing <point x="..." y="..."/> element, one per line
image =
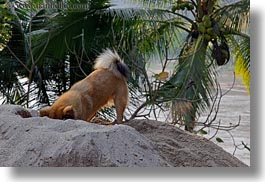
<point x="183" y="149"/>
<point x="36" y="141"/>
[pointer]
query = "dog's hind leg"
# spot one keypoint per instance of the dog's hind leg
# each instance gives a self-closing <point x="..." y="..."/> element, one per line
<point x="120" y="107"/>
<point x="90" y="116"/>
<point x="87" y="108"/>
<point x="120" y="102"/>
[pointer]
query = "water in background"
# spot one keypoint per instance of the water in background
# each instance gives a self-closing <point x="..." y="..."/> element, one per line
<point x="235" y="104"/>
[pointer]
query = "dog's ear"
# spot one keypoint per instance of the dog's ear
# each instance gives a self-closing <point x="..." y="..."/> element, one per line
<point x="68" y="112"/>
<point x="45" y="111"/>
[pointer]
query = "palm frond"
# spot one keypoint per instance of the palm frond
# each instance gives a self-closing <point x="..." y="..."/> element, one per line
<point x="242" y="59"/>
<point x="235" y="16"/>
<point x="58" y="37"/>
<point x="149" y="4"/>
<point x="192" y="82"/>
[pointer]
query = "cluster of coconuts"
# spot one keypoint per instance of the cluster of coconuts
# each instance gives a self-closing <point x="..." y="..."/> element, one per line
<point x="182" y="5"/>
<point x="206" y="28"/>
<point x="210" y="30"/>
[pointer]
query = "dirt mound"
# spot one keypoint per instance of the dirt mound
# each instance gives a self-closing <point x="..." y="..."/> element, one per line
<point x="181" y="149"/>
<point x="35" y="141"/>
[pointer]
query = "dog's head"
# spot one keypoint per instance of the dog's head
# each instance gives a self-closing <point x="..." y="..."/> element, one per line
<point x="62" y="112"/>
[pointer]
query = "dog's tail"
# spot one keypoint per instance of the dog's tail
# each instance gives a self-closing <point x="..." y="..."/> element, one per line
<point x="111" y="60"/>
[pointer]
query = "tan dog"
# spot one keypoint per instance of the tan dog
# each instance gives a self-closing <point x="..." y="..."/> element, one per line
<point x="104" y="86"/>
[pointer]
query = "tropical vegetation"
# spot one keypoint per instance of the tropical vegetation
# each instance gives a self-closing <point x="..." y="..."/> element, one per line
<point x="46" y="46"/>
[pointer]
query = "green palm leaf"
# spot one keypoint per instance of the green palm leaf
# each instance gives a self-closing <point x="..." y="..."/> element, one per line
<point x="234" y="19"/>
<point x="192" y="82"/>
<point x="242" y="59"/>
<point x="70" y="40"/>
<point x="235" y="16"/>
